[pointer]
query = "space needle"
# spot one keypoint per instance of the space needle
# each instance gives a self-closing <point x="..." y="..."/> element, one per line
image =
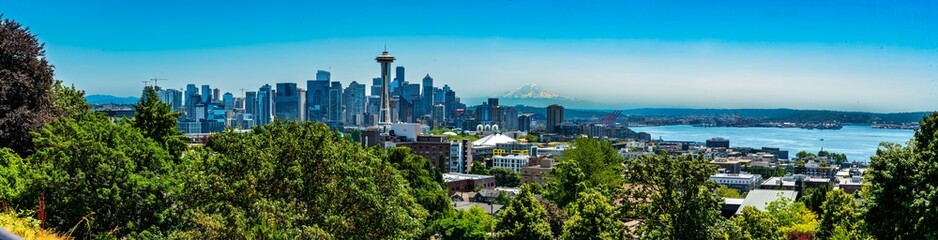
<point x="385" y="60"/>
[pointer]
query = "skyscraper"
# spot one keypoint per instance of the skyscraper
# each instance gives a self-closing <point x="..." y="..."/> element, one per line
<point x="206" y="94"/>
<point x="376" y="87"/>
<point x="323" y="75"/>
<point x="250" y="103"/>
<point x="524" y="122"/>
<point x="192" y="99"/>
<point x="317" y="99"/>
<point x="398" y="82"/>
<point x="172" y="97"/>
<point x="264" y="105"/>
<point x="554" y="117"/>
<point x="385" y="116"/>
<point x="427" y="94"/>
<point x="216" y="95"/>
<point x="335" y="102"/>
<point x="228" y="101"/>
<point x="287" y="103"/>
<point x="354" y="104"/>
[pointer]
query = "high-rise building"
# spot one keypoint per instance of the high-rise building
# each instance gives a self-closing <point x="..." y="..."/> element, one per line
<point x="354" y="104"/>
<point x="449" y="101"/>
<point x="510" y="119"/>
<point x="172" y="97"/>
<point x="427" y="94"/>
<point x="206" y="94"/>
<point x="385" y="60"/>
<point x="438" y="115"/>
<point x="228" y="101"/>
<point x="335" y="102"/>
<point x="439" y="96"/>
<point x="216" y="95"/>
<point x="301" y="94"/>
<point x="524" y="122"/>
<point x="399" y="81"/>
<point x="264" y="105"/>
<point x="322" y="75"/>
<point x="317" y="99"/>
<point x="554" y="117"/>
<point x="250" y="103"/>
<point x="192" y="99"/>
<point x="287" y="102"/>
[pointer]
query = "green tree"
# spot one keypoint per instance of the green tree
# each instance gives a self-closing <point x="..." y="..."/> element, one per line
<point x="505" y="177"/>
<point x="419" y="174"/>
<point x="466" y="224"/>
<point x="839" y="214"/>
<point x="726" y="192"/>
<point x="594" y="218"/>
<point x="792" y="217"/>
<point x="26" y="80"/>
<point x="296" y="180"/>
<point x="814" y="197"/>
<point x="157" y="121"/>
<point x="589" y="163"/>
<point x="755" y="224"/>
<point x="523" y="218"/>
<point x="900" y="192"/>
<point x="479" y="168"/>
<point x="12" y="177"/>
<point x="102" y="178"/>
<point x="555" y="216"/>
<point x="69" y="100"/>
<point x="673" y="196"/>
<point x="804" y="154"/>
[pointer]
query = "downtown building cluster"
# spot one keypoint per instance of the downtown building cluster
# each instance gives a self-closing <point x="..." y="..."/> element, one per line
<point x="208" y="110"/>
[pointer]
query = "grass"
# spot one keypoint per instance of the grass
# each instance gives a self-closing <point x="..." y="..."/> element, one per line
<point x="21" y="224"/>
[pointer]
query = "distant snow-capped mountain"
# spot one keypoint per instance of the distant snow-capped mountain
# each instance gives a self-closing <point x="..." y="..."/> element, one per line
<point x="531" y="91"/>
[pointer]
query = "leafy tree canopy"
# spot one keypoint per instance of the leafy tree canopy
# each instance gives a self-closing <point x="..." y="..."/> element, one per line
<point x="589" y="163"/>
<point x="900" y="195"/>
<point x="594" y="218"/>
<point x="523" y="218"/>
<point x="505" y="177"/>
<point x="298" y="180"/>
<point x="466" y="224"/>
<point x="26" y="80"/>
<point x="157" y="121"/>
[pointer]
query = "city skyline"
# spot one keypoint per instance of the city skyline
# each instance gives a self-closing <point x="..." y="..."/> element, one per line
<point x="839" y="56"/>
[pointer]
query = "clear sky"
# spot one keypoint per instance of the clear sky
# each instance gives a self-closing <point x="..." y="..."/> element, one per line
<point x="846" y="55"/>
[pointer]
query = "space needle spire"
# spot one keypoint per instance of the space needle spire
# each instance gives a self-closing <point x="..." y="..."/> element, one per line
<point x="385" y="60"/>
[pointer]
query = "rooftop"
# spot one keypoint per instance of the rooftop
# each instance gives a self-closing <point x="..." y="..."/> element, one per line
<point x="760" y="198"/>
<point x="452" y="177"/>
<point x="492" y="140"/>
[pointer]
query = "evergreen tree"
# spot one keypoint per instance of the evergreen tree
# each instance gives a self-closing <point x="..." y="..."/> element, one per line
<point x="523" y="218"/>
<point x="157" y="121"/>
<point x="101" y="178"/>
<point x="594" y="218"/>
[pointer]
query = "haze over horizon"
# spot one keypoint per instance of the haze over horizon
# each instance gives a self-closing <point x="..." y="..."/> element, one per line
<point x="838" y="55"/>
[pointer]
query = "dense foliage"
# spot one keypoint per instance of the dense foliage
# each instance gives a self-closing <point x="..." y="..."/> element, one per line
<point x="265" y="184"/>
<point x="523" y="218"/>
<point x="105" y="175"/>
<point x="901" y="190"/>
<point x="594" y="217"/>
<point x="26" y="80"/>
<point x="469" y="224"/>
<point x="589" y="163"/>
<point x="673" y="196"/>
<point x="157" y="121"/>
<point x="505" y="177"/>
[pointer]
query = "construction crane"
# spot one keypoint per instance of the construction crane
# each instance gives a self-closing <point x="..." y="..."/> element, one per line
<point x="610" y="119"/>
<point x="242" y="91"/>
<point x="146" y="83"/>
<point x="156" y="81"/>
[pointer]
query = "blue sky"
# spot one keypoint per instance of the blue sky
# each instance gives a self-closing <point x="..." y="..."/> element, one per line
<point x="847" y="55"/>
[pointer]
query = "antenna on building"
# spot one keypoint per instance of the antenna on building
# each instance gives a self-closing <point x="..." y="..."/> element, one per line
<point x="242" y="91"/>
